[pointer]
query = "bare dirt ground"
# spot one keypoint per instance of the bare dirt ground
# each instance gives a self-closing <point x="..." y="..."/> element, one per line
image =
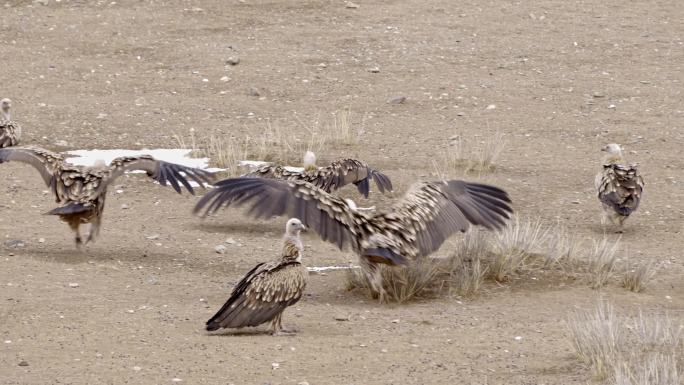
<point x="565" y="77"/>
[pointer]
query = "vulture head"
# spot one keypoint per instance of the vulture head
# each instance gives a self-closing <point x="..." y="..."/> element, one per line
<point x="612" y="148"/>
<point x="309" y="161"/>
<point x="5" y="105"/>
<point x="294" y="226"/>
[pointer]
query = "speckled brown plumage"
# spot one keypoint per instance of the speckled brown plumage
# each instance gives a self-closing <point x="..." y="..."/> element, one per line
<point x="330" y="178"/>
<point x="80" y="191"/>
<point x="267" y="290"/>
<point x="415" y="226"/>
<point x="619" y="187"/>
<point x="10" y="131"/>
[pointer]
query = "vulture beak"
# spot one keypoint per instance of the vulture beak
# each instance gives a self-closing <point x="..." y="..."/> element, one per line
<point x="303" y="229"/>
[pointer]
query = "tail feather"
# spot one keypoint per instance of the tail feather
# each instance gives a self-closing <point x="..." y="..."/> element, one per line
<point x="70" y="208"/>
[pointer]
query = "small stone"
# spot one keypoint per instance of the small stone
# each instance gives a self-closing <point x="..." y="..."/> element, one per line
<point x="612" y="106"/>
<point x="598" y="94"/>
<point x="575" y="202"/>
<point x="275" y="365"/>
<point x="233" y="60"/>
<point x="384" y="350"/>
<point x="518" y="338"/>
<point x="176" y="379"/>
<point x="398" y="100"/>
<point x="220" y="249"/>
<point x="152" y="237"/>
<point x="351" y="5"/>
<point x="374" y="70"/>
<point x="73" y="284"/>
<point x="124" y="206"/>
<point x="61" y="143"/>
<point x="253" y="91"/>
<point x="460" y="114"/>
<point x="23" y="363"/>
<point x="224" y="78"/>
<point x="15" y="243"/>
<point x="395" y="321"/>
<point x="341" y="317"/>
<point x="41" y="240"/>
<point x="491" y="107"/>
<point x="303" y="383"/>
<point x="137" y="368"/>
<point x="230" y="241"/>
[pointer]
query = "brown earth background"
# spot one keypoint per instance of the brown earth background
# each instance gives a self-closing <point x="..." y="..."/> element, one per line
<point x="564" y="77"/>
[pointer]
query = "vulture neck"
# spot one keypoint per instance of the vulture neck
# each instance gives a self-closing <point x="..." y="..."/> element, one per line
<point x="609" y="159"/>
<point x="292" y="248"/>
<point x="6" y="115"/>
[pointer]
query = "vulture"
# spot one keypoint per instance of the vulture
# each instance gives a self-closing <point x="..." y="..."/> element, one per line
<point x="619" y="187"/>
<point x="80" y="191"/>
<point x="268" y="289"/>
<point x="10" y="131"/>
<point x="329" y="178"/>
<point x="413" y="227"/>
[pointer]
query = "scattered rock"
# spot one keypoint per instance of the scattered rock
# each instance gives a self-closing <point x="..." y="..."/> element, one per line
<point x="61" y="143"/>
<point x="124" y="206"/>
<point x="253" y="91"/>
<point x="41" y="2"/>
<point x="137" y="368"/>
<point x="351" y="5"/>
<point x="275" y="365"/>
<point x="176" y="379"/>
<point x="303" y="383"/>
<point x="374" y="70"/>
<point x="230" y="241"/>
<point x="152" y="237"/>
<point x="15" y="243"/>
<point x="518" y="338"/>
<point x="220" y="249"/>
<point x="233" y="60"/>
<point x="612" y="106"/>
<point x="224" y="78"/>
<point x="395" y="321"/>
<point x="398" y="100"/>
<point x="491" y="107"/>
<point x="341" y="317"/>
<point x="23" y="363"/>
<point x="598" y="94"/>
<point x="41" y="240"/>
<point x="73" y="284"/>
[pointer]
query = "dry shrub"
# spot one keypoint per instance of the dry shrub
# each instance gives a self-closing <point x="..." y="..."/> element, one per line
<point x="401" y="283"/>
<point x="645" y="350"/>
<point x="341" y="130"/>
<point x="514" y="245"/>
<point x="464" y="154"/>
<point x="601" y="259"/>
<point x="637" y="278"/>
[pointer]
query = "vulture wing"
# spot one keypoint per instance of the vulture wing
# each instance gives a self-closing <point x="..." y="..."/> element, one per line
<point x="344" y="172"/>
<point x="620" y="187"/>
<point x="433" y="211"/>
<point x="162" y="172"/>
<point x="327" y="215"/>
<point x="44" y="161"/>
<point x="261" y="295"/>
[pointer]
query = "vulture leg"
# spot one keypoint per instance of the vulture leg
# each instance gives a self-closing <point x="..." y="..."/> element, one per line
<point x="75" y="224"/>
<point x="277" y="327"/>
<point x="374" y="276"/>
<point x="94" y="228"/>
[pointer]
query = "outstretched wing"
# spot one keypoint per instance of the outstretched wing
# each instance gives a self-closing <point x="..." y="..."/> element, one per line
<point x="345" y="171"/>
<point x="46" y="162"/>
<point x="433" y="211"/>
<point x="323" y="213"/>
<point x="261" y="295"/>
<point x="620" y="187"/>
<point x="162" y="172"/>
<point x="10" y="133"/>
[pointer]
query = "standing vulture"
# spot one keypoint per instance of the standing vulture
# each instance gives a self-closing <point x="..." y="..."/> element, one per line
<point x="10" y="131"/>
<point x="414" y="227"/>
<point x="268" y="289"/>
<point x="619" y="187"/>
<point x="330" y="178"/>
<point x="80" y="191"/>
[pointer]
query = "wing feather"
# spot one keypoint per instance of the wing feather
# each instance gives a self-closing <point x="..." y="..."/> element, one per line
<point x="46" y="162"/>
<point x="620" y="188"/>
<point x="263" y="293"/>
<point x="325" y="214"/>
<point x="162" y="172"/>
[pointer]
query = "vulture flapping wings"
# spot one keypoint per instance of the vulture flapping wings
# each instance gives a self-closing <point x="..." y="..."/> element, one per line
<point x="330" y="178"/>
<point x="415" y="226"/>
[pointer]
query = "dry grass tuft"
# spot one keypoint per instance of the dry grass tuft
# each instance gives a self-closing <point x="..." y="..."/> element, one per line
<point x="602" y="258"/>
<point x="466" y="155"/>
<point x="637" y="278"/>
<point x="645" y="350"/>
<point x="403" y="283"/>
<point x="223" y="152"/>
<point x="514" y="245"/>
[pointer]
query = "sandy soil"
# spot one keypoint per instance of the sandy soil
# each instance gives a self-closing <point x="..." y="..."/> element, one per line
<point x="564" y="77"/>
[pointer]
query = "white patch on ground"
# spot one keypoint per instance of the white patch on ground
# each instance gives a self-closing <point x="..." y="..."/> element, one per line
<point x="172" y="155"/>
<point x="318" y="269"/>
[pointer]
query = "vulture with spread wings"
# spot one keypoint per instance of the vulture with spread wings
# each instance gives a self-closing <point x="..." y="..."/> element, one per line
<point x="619" y="186"/>
<point x="80" y="191"/>
<point x="415" y="226"/>
<point x="268" y="289"/>
<point x="330" y="178"/>
<point x="10" y="131"/>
